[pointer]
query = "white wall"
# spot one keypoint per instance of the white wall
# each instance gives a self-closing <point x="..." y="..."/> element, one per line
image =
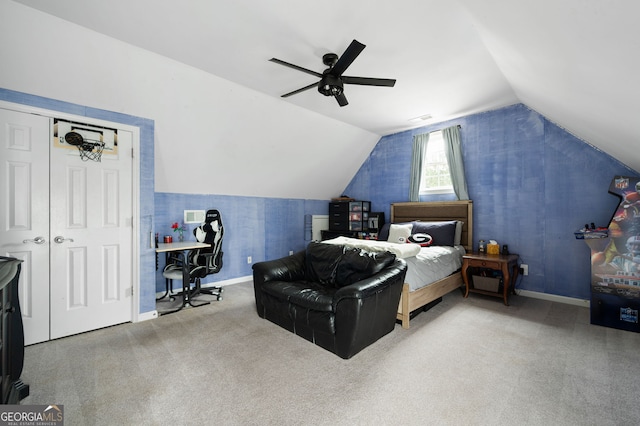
<point x="239" y="142"/>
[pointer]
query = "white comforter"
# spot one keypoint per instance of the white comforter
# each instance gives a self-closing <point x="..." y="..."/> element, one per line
<point x="425" y="264"/>
<point x="402" y="251"/>
<point x="432" y="264"/>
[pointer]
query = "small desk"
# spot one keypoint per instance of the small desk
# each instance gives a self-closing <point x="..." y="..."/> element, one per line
<point x="180" y="249"/>
<point x="497" y="262"/>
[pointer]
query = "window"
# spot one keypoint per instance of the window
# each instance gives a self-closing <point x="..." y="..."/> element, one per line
<point x="435" y="175"/>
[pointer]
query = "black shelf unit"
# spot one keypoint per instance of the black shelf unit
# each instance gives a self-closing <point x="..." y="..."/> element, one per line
<point x="349" y="218"/>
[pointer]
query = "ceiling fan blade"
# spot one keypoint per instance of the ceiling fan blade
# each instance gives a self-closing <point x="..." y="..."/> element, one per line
<point x="342" y="99"/>
<point x="295" y="67"/>
<point x="347" y="58"/>
<point x="312" y="85"/>
<point x="367" y="81"/>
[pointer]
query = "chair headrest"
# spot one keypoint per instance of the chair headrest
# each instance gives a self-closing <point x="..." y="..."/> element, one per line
<point x="212" y="215"/>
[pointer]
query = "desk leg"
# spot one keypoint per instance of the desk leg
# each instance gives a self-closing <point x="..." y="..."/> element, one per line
<point x="166" y="281"/>
<point x="185" y="280"/>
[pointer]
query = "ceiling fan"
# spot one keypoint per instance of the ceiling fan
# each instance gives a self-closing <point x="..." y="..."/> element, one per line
<point x="331" y="80"/>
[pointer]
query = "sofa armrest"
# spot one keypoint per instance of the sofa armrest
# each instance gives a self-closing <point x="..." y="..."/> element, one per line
<point x="366" y="310"/>
<point x="374" y="284"/>
<point x="290" y="268"/>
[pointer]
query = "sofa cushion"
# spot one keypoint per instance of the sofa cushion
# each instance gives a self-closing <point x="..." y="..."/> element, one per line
<point x="357" y="264"/>
<point x="308" y="295"/>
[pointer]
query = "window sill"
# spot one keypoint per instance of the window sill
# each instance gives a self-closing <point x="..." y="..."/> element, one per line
<point x="437" y="191"/>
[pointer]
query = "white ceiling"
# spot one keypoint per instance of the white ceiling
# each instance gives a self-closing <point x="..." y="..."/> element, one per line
<point x="575" y="61"/>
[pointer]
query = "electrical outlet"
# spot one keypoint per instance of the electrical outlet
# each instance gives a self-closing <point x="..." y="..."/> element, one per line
<point x="524" y="269"/>
<point x="290" y="252"/>
<point x="249" y="259"/>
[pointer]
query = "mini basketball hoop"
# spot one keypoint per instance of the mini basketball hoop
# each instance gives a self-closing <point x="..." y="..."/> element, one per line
<point x="89" y="149"/>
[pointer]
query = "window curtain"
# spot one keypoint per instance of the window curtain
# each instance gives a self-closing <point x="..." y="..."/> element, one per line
<point x="453" y="150"/>
<point x="419" y="154"/>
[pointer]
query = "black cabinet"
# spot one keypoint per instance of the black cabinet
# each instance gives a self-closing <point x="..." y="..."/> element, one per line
<point x="349" y="218"/>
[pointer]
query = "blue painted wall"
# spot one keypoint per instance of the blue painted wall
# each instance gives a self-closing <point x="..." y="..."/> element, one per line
<point x="532" y="184"/>
<point x="263" y="228"/>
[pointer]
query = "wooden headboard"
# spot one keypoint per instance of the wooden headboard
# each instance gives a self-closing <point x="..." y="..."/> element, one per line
<point x="436" y="211"/>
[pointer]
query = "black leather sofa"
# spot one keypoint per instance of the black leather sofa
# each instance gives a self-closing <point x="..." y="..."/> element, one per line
<point x="342" y="299"/>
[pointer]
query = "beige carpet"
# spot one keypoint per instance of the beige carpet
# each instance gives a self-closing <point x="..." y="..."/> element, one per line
<point x="465" y="362"/>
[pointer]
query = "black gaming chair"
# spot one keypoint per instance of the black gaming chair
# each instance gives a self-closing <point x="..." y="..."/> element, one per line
<point x="202" y="262"/>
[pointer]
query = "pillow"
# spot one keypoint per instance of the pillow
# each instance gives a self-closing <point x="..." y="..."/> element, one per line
<point x="383" y="233"/>
<point x="457" y="239"/>
<point x="443" y="233"/>
<point x="398" y="233"/>
<point x="357" y="264"/>
<point x="424" y="240"/>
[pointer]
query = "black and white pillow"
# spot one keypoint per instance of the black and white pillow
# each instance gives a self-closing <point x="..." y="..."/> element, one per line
<point x="424" y="240"/>
<point x="442" y="232"/>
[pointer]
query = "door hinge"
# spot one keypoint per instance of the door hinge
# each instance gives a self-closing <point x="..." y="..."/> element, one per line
<point x="132" y="153"/>
<point x="130" y="291"/>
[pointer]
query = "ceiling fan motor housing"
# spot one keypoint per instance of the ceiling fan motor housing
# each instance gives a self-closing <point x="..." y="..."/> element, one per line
<point x="329" y="59"/>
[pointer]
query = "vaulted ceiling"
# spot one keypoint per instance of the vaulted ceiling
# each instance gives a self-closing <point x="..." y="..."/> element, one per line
<point x="575" y="61"/>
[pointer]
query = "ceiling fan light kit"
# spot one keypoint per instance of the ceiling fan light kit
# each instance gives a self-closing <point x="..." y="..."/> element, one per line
<point x="330" y="85"/>
<point x="331" y="80"/>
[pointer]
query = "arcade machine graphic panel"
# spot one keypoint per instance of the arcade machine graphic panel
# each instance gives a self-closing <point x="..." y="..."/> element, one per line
<point x="615" y="262"/>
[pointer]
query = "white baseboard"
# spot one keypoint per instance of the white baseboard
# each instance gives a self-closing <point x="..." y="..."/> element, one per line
<point x="219" y="284"/>
<point x="231" y="281"/>
<point x="554" y="298"/>
<point x="145" y="316"/>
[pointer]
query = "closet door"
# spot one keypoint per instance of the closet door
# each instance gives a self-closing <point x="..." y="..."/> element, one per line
<point x="24" y="213"/>
<point x="91" y="238"/>
<point x="71" y="222"/>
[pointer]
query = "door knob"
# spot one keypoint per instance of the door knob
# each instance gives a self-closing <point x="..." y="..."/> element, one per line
<point x="37" y="240"/>
<point x="60" y="239"/>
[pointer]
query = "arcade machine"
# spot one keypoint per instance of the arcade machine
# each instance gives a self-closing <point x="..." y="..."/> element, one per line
<point x="615" y="261"/>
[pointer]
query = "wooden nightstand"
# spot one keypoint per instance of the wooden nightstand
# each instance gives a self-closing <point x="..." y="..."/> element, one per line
<point x="507" y="264"/>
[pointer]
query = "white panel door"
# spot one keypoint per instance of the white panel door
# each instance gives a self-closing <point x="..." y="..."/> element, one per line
<point x="24" y="213"/>
<point x="91" y="239"/>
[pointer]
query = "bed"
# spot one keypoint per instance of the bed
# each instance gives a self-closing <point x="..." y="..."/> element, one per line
<point x="432" y="271"/>
<point x="417" y="298"/>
